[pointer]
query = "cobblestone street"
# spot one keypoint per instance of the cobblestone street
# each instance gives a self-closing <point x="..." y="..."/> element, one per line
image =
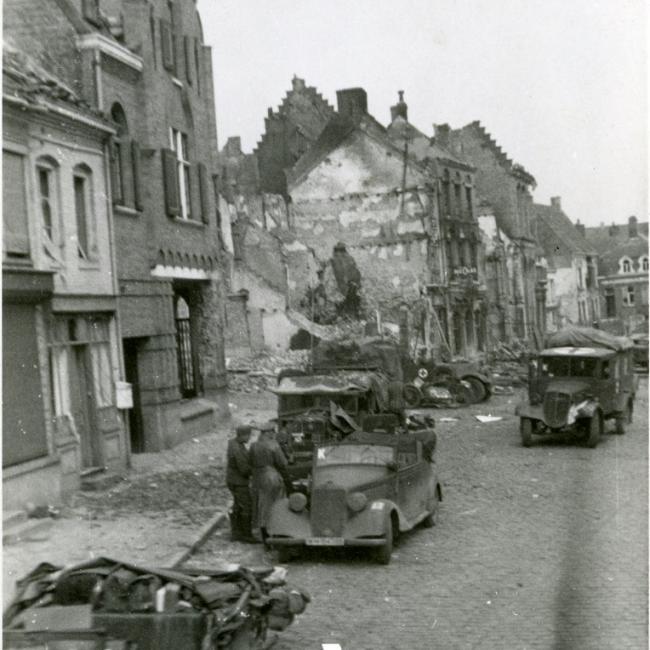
<point x="536" y="548"/>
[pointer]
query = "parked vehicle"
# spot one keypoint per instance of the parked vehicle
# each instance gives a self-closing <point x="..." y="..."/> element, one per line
<point x="362" y="492"/>
<point x="582" y="379"/>
<point x="640" y="341"/>
<point x="426" y="384"/>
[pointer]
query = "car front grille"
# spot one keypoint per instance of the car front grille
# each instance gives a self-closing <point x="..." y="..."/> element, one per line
<point x="328" y="511"/>
<point x="556" y="408"/>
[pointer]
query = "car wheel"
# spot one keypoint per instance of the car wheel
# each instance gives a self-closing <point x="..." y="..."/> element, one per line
<point x="526" y="431"/>
<point x="478" y="390"/>
<point x="595" y="430"/>
<point x="385" y="551"/>
<point x="412" y="396"/>
<point x="431" y="519"/>
<point x="624" y="419"/>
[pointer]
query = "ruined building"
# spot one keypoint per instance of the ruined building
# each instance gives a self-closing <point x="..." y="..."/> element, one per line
<point x="515" y="276"/>
<point x="572" y="268"/>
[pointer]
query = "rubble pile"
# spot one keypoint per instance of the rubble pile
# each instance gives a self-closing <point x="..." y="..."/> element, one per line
<point x="508" y="375"/>
<point x="256" y="373"/>
<point x="203" y="608"/>
<point x="187" y="497"/>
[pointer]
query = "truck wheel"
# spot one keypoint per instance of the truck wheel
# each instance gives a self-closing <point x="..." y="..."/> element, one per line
<point x="526" y="430"/>
<point x="412" y="396"/>
<point x="595" y="430"/>
<point x="384" y="552"/>
<point x="479" y="392"/>
<point x="624" y="419"/>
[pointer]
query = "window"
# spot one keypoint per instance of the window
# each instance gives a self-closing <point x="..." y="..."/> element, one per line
<point x="628" y="296"/>
<point x="643" y="263"/>
<point x="610" y="303"/>
<point x="198" y="67"/>
<point x="14" y="206"/>
<point x="84" y="215"/>
<point x="468" y="201"/>
<point x="458" y="208"/>
<point x="626" y="265"/>
<point x="125" y="164"/>
<point x="580" y="283"/>
<point x="446" y="194"/>
<point x="47" y="189"/>
<point x="152" y="29"/>
<point x="185" y="348"/>
<point x="179" y="145"/>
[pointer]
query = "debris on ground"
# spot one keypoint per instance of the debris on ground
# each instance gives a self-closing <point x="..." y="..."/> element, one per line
<point x="488" y="418"/>
<point x="203" y="608"/>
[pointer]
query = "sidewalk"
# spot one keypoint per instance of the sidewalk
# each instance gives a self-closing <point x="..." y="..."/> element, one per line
<point x="153" y="515"/>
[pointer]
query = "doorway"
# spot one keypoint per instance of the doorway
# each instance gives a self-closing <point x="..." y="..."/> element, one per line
<point x="132" y="349"/>
<point x="83" y="407"/>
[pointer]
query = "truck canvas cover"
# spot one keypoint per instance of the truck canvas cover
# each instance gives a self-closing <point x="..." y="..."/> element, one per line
<point x="587" y="337"/>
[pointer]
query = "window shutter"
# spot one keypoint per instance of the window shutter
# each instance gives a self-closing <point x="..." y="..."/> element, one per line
<point x="116" y="185"/>
<point x="14" y="205"/>
<point x="188" y="58"/>
<point x="195" y="198"/>
<point x="137" y="181"/>
<point x="204" y="190"/>
<point x="170" y="181"/>
<point x="167" y="45"/>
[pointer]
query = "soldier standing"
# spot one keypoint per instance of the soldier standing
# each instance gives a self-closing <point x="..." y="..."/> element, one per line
<point x="238" y="474"/>
<point x="270" y="476"/>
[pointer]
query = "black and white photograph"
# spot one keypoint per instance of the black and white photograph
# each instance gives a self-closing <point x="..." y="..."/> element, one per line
<point x="325" y="324"/>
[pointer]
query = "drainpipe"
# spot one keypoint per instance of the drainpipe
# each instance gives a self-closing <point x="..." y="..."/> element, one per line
<point x="99" y="90"/>
<point x="116" y="290"/>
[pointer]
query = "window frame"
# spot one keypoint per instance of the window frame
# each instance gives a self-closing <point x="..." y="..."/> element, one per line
<point x="86" y="250"/>
<point x="179" y="144"/>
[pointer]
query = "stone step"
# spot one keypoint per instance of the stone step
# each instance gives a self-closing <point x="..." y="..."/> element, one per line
<point x="13" y="517"/>
<point x="98" y="482"/>
<point x="31" y="530"/>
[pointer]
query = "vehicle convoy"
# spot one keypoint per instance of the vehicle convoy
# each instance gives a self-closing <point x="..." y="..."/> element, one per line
<point x="582" y="379"/>
<point x="345" y="384"/>
<point x="362" y="492"/>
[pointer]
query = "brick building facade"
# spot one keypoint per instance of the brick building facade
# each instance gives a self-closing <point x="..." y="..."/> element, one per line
<point x="145" y="67"/>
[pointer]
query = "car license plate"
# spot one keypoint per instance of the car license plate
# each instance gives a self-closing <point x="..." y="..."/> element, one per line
<point x="325" y="541"/>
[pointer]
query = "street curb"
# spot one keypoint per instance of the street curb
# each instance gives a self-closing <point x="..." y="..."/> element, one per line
<point x="205" y="532"/>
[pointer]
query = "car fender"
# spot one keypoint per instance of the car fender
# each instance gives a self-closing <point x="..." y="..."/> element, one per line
<point x="285" y="522"/>
<point x="481" y="377"/>
<point x="529" y="411"/>
<point x="373" y="520"/>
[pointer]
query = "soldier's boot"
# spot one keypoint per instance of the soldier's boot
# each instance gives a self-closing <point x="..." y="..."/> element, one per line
<point x="235" y="526"/>
<point x="246" y="532"/>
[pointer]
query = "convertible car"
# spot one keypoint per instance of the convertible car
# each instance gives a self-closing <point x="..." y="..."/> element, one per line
<point x="363" y="491"/>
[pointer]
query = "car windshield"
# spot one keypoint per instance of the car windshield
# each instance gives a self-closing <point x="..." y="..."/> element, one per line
<point x="569" y="367"/>
<point x="354" y="454"/>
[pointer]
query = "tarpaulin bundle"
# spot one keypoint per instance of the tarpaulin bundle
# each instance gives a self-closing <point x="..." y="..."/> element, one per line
<point x="200" y="608"/>
<point x="587" y="337"/>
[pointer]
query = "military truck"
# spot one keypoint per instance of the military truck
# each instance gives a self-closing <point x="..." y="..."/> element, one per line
<point x="582" y="378"/>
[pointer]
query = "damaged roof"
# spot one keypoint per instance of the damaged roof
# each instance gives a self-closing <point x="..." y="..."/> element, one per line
<point x="556" y="234"/>
<point x="26" y="82"/>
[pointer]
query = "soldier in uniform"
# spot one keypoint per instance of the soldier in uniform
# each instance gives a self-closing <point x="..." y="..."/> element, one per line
<point x="270" y="476"/>
<point x="238" y="475"/>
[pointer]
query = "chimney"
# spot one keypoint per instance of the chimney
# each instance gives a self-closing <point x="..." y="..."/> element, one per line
<point x="352" y="102"/>
<point x="233" y="145"/>
<point x="441" y="134"/>
<point x="613" y="230"/>
<point x="400" y="109"/>
<point x="297" y="83"/>
<point x="556" y="202"/>
<point x="632" y="228"/>
<point x="580" y="227"/>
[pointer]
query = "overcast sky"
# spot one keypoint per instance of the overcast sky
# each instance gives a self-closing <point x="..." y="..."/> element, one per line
<point x="560" y="84"/>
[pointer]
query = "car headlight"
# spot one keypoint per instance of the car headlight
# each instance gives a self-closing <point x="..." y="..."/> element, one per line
<point x="297" y="502"/>
<point x="356" y="501"/>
